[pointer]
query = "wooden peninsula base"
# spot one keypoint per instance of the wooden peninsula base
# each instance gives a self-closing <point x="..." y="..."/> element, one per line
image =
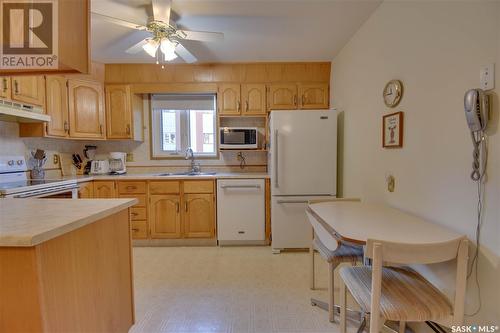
<point x="80" y="281"/>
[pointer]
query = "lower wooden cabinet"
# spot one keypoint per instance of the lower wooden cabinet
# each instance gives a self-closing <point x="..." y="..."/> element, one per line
<point x="104" y="189"/>
<point x="86" y="190"/>
<point x="165" y="221"/>
<point x="171" y="209"/>
<point x="182" y="209"/>
<point x="199" y="219"/>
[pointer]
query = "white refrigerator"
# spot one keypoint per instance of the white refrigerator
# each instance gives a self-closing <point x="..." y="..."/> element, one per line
<point x="303" y="167"/>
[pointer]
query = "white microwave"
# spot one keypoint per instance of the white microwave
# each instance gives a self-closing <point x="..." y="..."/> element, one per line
<point x="238" y="138"/>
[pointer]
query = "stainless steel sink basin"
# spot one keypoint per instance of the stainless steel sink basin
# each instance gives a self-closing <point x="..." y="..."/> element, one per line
<point x="188" y="173"/>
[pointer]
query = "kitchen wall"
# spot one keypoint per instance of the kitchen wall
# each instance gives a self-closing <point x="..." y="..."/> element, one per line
<point x="436" y="48"/>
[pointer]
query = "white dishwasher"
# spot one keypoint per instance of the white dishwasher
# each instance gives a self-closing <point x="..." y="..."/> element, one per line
<point x="241" y="211"/>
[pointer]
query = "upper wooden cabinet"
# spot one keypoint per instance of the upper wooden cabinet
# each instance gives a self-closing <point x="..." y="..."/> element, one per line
<point x="124" y="113"/>
<point x="199" y="221"/>
<point x="229" y="97"/>
<point x="165" y="216"/>
<point x="283" y="96"/>
<point x="314" y="95"/>
<point x="104" y="189"/>
<point x="254" y="99"/>
<point x="86" y="109"/>
<point x="5" y="87"/>
<point x="28" y="89"/>
<point x="244" y="99"/>
<point x="57" y="106"/>
<point x="298" y="96"/>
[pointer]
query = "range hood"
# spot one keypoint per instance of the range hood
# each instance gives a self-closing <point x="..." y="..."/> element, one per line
<point x="21" y="113"/>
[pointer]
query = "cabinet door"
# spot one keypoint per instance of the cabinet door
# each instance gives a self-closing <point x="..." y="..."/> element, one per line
<point x="29" y="89"/>
<point x="282" y="96"/>
<point x="86" y="191"/>
<point x="104" y="189"/>
<point x="314" y="95"/>
<point x="199" y="216"/>
<point x="254" y="99"/>
<point x="5" y="87"/>
<point x="165" y="216"/>
<point x="86" y="111"/>
<point x="229" y="99"/>
<point x="118" y="112"/>
<point x="57" y="106"/>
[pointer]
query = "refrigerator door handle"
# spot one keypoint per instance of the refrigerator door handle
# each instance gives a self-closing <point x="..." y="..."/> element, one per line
<point x="292" y="201"/>
<point x="276" y="158"/>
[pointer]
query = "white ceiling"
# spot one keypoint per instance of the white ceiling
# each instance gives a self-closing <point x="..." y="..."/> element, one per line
<point x="254" y="30"/>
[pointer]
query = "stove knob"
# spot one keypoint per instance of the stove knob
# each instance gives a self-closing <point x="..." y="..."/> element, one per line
<point x="20" y="162"/>
<point x="10" y="163"/>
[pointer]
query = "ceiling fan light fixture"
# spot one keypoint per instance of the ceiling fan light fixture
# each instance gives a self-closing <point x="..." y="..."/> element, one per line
<point x="151" y="47"/>
<point x="168" y="49"/>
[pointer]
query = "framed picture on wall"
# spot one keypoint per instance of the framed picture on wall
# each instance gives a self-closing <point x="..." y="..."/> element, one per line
<point x="392" y="130"/>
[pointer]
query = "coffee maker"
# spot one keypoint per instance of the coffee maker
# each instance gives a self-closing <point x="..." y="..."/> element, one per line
<point x="117" y="162"/>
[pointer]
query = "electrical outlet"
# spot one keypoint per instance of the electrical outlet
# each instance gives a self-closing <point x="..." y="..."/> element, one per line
<point x="487" y="77"/>
<point x="55" y="159"/>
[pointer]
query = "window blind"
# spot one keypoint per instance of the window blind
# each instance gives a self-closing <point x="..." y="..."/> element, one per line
<point x="183" y="101"/>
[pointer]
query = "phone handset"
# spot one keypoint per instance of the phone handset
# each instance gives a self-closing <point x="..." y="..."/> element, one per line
<point x="476" y="105"/>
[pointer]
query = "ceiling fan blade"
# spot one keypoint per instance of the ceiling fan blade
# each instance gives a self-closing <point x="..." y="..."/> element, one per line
<point x="123" y="23"/>
<point x="204" y="36"/>
<point x="136" y="48"/>
<point x="185" y="54"/>
<point x="161" y="10"/>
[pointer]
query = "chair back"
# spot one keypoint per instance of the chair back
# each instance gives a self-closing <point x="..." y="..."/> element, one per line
<point x="404" y="254"/>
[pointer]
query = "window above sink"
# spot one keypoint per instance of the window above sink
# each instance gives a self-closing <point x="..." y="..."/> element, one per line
<point x="180" y="121"/>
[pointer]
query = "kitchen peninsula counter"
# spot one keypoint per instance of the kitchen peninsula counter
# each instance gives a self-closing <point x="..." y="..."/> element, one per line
<point x="66" y="265"/>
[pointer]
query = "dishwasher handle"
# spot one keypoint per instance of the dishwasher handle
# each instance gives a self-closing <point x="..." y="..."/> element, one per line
<point x="239" y="186"/>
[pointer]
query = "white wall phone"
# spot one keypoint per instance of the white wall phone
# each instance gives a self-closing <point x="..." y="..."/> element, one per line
<point x="477" y="106"/>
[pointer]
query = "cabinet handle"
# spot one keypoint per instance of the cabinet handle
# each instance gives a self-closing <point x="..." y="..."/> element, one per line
<point x="131" y="187"/>
<point x="5" y="84"/>
<point x="177" y="207"/>
<point x="303" y="99"/>
<point x="295" y="100"/>
<point x="16" y="87"/>
<point x="239" y="105"/>
<point x="186" y="206"/>
<point x="100" y="129"/>
<point x="240" y="186"/>
<point x="66" y="127"/>
<point x="128" y="129"/>
<point x="135" y="229"/>
<point x="134" y="214"/>
<point x="246" y="106"/>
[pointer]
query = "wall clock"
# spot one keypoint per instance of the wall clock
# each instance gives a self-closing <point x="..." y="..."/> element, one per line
<point x="393" y="92"/>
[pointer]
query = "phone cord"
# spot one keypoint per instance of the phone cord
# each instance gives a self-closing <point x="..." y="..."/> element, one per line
<point x="476" y="155"/>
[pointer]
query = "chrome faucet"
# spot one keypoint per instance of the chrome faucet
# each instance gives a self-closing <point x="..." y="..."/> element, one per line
<point x="190" y="156"/>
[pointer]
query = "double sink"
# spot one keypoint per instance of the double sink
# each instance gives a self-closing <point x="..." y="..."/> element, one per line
<point x="187" y="173"/>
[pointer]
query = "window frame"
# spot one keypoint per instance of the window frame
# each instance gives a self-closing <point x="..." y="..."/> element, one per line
<point x="185" y="137"/>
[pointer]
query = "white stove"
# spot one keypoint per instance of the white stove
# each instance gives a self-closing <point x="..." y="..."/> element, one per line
<point x="14" y="182"/>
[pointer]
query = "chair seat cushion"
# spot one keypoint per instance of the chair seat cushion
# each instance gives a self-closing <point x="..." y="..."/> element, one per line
<point x="344" y="252"/>
<point x="406" y="295"/>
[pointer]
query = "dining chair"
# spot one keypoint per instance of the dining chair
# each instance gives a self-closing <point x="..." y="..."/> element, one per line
<point x="334" y="252"/>
<point x="390" y="291"/>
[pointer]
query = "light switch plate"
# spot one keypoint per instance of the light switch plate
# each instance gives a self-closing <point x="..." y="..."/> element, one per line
<point x="487" y="77"/>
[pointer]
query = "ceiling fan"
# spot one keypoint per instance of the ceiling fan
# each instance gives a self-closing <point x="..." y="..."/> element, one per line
<point x="165" y="36"/>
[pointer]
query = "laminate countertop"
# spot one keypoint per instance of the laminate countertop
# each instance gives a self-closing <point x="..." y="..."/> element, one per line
<point x="156" y="176"/>
<point x="29" y="222"/>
